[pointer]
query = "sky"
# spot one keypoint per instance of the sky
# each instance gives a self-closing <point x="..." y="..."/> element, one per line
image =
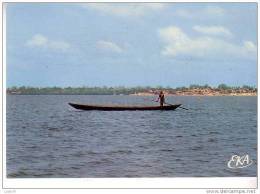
<point x="131" y="44"/>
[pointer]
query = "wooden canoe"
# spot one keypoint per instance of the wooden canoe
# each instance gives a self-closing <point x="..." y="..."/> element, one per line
<point x="122" y="108"/>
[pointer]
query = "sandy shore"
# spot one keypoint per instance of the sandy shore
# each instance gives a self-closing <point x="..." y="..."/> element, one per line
<point x="195" y="94"/>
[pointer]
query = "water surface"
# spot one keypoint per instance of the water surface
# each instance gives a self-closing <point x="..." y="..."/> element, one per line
<point x="48" y="138"/>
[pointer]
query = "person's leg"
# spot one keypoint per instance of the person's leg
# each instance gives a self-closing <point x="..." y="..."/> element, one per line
<point x="161" y="103"/>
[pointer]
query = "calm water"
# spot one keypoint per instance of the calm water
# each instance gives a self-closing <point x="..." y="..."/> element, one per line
<point x="47" y="138"/>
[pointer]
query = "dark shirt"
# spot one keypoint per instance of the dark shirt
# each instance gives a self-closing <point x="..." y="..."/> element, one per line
<point x="161" y="97"/>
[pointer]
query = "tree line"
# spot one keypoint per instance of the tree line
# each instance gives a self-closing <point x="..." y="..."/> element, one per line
<point x="118" y="90"/>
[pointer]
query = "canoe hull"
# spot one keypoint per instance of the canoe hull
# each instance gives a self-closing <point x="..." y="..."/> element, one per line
<point x="123" y="108"/>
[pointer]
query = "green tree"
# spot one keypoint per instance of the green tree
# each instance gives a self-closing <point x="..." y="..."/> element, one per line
<point x="223" y="87"/>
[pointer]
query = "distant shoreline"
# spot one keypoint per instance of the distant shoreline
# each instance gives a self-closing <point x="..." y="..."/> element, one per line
<point x="192" y="90"/>
<point x="200" y="95"/>
<point x="195" y="95"/>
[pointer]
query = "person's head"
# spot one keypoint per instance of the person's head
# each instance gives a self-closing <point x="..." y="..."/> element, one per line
<point x="161" y="92"/>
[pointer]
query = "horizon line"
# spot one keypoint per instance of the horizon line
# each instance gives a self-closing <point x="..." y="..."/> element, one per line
<point x="142" y="86"/>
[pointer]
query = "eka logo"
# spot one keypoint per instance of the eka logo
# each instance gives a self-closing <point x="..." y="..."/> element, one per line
<point x="239" y="161"/>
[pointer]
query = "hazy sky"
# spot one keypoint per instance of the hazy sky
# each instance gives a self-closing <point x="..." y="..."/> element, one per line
<point x="168" y="44"/>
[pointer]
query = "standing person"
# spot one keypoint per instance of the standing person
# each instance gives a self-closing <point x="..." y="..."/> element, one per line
<point x="161" y="98"/>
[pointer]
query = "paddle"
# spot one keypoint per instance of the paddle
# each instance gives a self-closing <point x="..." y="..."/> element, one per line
<point x="179" y="106"/>
<point x="150" y="100"/>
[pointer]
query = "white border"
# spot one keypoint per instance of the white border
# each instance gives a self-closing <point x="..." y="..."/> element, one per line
<point x="131" y="1"/>
<point x="232" y="182"/>
<point x="3" y="33"/>
<point x="212" y="182"/>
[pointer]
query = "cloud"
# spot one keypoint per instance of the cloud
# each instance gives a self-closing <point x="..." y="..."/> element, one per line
<point x="41" y="41"/>
<point x="37" y="40"/>
<point x="213" y="30"/>
<point x="125" y="9"/>
<point x="177" y="43"/>
<point x="250" y="46"/>
<point x="59" y="45"/>
<point x="109" y="46"/>
<point x="214" y="10"/>
<point x="204" y="13"/>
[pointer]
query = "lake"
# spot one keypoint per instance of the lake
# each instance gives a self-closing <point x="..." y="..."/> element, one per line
<point x="48" y="138"/>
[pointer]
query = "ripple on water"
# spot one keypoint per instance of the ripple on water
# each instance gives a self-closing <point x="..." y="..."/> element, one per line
<point x="50" y="139"/>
